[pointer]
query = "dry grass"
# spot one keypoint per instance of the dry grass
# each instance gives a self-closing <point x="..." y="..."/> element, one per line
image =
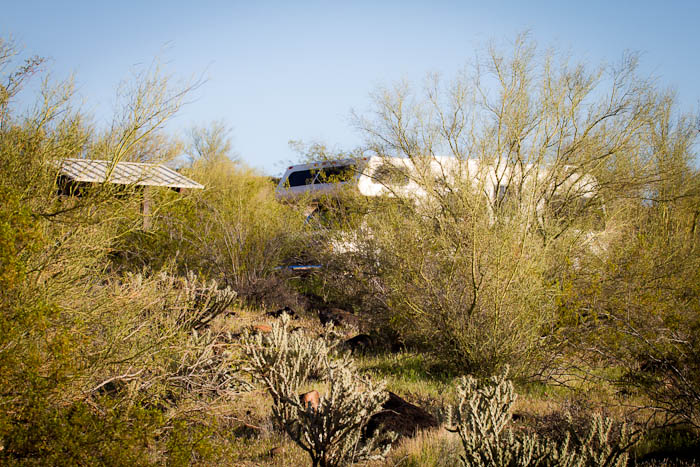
<point x="428" y="448"/>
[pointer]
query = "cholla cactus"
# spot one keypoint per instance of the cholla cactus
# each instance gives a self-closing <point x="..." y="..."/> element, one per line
<point x="330" y="433"/>
<point x="178" y="310"/>
<point x="283" y="361"/>
<point x="600" y="450"/>
<point x="190" y="302"/>
<point x="204" y="300"/>
<point x="481" y="415"/>
<point x="484" y="411"/>
<point x="207" y="367"/>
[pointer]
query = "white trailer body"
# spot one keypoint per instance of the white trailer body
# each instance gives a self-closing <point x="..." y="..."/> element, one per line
<point x="394" y="176"/>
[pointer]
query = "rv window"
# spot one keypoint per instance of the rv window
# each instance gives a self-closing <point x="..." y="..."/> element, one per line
<point x="341" y="173"/>
<point x="302" y="177"/>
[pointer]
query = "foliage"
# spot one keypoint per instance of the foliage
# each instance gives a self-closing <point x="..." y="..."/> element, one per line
<point x="212" y="144"/>
<point x="571" y="245"/>
<point x="234" y="231"/>
<point x="162" y="340"/>
<point x="639" y="308"/>
<point x="563" y="169"/>
<point x="94" y="367"/>
<point x="636" y="301"/>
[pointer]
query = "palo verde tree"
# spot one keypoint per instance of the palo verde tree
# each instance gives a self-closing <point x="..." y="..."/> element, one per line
<point x="87" y="357"/>
<point x="549" y="152"/>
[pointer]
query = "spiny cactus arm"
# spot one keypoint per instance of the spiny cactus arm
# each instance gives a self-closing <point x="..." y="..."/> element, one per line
<point x="499" y="397"/>
<point x="562" y="454"/>
<point x="600" y="448"/>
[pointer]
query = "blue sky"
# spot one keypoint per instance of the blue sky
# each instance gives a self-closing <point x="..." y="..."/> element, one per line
<point x="280" y="71"/>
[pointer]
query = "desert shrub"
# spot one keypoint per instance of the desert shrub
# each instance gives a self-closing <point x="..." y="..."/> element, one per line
<point x="470" y="288"/>
<point x="234" y="231"/>
<point x="564" y="169"/>
<point x="332" y="432"/>
<point x="638" y="308"/>
<point x="94" y="368"/>
<point x="466" y="261"/>
<point x="161" y="340"/>
<point x="78" y="434"/>
<point x="123" y="367"/>
<point x="40" y="256"/>
<point x="472" y="291"/>
<point x="636" y="301"/>
<point x="483" y="412"/>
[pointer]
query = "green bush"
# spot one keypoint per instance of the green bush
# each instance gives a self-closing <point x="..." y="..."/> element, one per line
<point x="95" y="368"/>
<point x="471" y="290"/>
<point x="234" y="231"/>
<point x="639" y="308"/>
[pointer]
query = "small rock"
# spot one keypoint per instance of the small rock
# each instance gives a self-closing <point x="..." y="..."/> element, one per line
<point x="401" y="417"/>
<point x="311" y="398"/>
<point x="262" y="328"/>
<point x="360" y="343"/>
<point x="276" y="451"/>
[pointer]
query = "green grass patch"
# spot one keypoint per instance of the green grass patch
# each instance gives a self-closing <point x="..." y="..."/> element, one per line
<point x="409" y="373"/>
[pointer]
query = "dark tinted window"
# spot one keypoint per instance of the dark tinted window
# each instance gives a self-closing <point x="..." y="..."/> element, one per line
<point x="302" y="177"/>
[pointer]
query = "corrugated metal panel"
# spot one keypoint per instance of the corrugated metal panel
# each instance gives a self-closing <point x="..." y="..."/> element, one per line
<point x="124" y="173"/>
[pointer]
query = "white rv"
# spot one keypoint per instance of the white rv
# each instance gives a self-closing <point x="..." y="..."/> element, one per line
<point x="394" y="176"/>
<point x="401" y="177"/>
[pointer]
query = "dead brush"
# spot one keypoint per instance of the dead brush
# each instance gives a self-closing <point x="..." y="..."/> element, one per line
<point x="162" y="340"/>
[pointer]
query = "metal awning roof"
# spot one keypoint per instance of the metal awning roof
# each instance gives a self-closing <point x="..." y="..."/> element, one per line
<point x="124" y="173"/>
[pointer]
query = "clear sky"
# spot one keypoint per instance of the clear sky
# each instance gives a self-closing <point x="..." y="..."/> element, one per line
<point x="277" y="71"/>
